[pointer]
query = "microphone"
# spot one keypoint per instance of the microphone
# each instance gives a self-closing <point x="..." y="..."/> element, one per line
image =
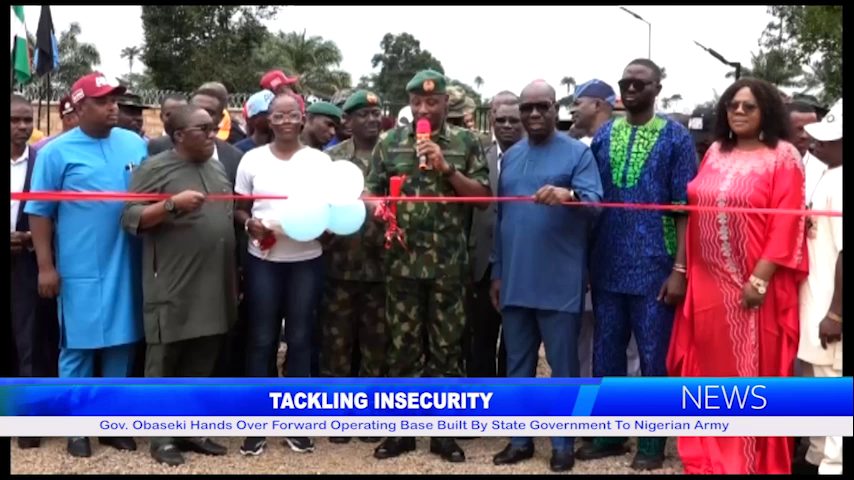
<point x="422" y="132"/>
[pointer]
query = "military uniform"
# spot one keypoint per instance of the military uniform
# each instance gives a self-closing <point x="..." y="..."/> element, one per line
<point x="353" y="308"/>
<point x="425" y="284"/>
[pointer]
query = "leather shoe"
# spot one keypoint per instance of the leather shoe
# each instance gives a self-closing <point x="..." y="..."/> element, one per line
<point x="394" y="447"/>
<point x="203" y="445"/>
<point x="339" y="440"/>
<point x="513" y="454"/>
<point x="79" y="447"/>
<point x="119" y="443"/>
<point x="644" y="462"/>
<point x="589" y="451"/>
<point x="29" y="442"/>
<point x="562" y="460"/>
<point x="168" y="454"/>
<point x="448" y="449"/>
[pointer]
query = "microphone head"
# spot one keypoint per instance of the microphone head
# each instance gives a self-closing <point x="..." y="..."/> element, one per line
<point x="423" y="126"/>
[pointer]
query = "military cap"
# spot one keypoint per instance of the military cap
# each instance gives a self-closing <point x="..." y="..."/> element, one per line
<point x="427" y="82"/>
<point x="469" y="105"/>
<point x="326" y="109"/>
<point x="361" y="99"/>
<point x="341" y="96"/>
<point x="130" y="100"/>
<point x="456" y="101"/>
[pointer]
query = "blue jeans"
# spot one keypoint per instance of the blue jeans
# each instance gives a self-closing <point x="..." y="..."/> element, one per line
<point x="274" y="290"/>
<point x="524" y="329"/>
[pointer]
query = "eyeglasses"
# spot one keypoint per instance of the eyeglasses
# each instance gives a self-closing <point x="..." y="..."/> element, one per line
<point x="542" y="107"/>
<point x="508" y="120"/>
<point x="747" y="107"/>
<point x="207" y="128"/>
<point x="280" y="118"/>
<point x="636" y="83"/>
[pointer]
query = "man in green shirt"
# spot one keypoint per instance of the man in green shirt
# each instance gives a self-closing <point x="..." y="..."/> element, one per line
<point x="189" y="275"/>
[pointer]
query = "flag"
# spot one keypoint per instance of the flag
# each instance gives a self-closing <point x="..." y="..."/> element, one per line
<point x="46" y="57"/>
<point x="20" y="49"/>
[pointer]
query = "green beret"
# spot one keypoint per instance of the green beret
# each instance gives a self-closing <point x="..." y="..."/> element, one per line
<point x="427" y="82"/>
<point x="361" y="99"/>
<point x="325" y="108"/>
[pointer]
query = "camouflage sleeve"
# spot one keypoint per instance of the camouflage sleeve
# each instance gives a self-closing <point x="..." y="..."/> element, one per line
<point x="477" y="168"/>
<point x="376" y="181"/>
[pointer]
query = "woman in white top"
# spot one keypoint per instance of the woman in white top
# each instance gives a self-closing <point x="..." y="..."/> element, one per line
<point x="284" y="277"/>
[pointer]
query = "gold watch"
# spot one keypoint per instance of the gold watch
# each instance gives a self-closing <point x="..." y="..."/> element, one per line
<point x="760" y="285"/>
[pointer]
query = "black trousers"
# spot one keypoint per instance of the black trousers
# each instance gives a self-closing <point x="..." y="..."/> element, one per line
<point x="483" y="333"/>
<point x="34" y="321"/>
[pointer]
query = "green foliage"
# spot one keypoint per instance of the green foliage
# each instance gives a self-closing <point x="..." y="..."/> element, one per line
<point x="401" y="57"/>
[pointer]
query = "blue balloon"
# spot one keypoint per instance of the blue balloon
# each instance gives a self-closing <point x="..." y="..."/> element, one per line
<point x="304" y="219"/>
<point x="347" y="218"/>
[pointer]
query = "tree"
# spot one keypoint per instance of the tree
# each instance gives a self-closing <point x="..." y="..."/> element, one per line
<point x="138" y="81"/>
<point x="131" y="53"/>
<point x="478" y="82"/>
<point x="570" y="84"/>
<point x="76" y="58"/>
<point x="401" y="58"/>
<point x="187" y="45"/>
<point x="775" y="67"/>
<point x="312" y="59"/>
<point x="667" y="102"/>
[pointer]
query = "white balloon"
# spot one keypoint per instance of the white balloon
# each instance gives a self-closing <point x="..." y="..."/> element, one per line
<point x="304" y="219"/>
<point x="346" y="181"/>
<point x="309" y="179"/>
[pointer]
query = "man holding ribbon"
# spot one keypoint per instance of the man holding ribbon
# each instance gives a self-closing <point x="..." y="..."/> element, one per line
<point x="427" y="269"/>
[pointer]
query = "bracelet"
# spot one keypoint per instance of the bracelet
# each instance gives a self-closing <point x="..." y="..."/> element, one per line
<point x="679" y="265"/>
<point x="834" y="317"/>
<point x="246" y="224"/>
<point x="680" y="269"/>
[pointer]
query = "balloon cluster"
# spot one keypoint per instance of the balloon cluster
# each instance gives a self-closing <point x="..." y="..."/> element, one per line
<point x="323" y="195"/>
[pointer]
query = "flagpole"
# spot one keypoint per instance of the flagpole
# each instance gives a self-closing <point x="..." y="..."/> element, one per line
<point x="47" y="134"/>
<point x="39" y="121"/>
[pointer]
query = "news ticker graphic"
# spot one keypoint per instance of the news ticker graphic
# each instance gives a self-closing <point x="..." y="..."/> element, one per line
<point x="425" y="407"/>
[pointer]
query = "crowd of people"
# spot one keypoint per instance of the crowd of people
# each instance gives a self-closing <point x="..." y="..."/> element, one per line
<point x="191" y="287"/>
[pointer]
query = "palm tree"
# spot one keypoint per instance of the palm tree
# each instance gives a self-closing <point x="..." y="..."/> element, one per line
<point x="671" y="100"/>
<point x="312" y="59"/>
<point x="569" y="82"/>
<point x="775" y="67"/>
<point x="131" y="53"/>
<point x="478" y="82"/>
<point x="75" y="58"/>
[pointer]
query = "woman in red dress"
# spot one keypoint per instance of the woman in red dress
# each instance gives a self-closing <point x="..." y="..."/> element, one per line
<point x="740" y="317"/>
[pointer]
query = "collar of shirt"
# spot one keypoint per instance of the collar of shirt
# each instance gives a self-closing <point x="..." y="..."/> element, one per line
<point x="23" y="157"/>
<point x="215" y="155"/>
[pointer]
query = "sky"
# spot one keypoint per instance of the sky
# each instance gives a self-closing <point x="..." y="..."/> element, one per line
<point x="508" y="46"/>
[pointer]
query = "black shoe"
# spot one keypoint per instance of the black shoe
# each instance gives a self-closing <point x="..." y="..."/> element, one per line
<point x="168" y="454"/>
<point x="300" y="444"/>
<point x="448" y="449"/>
<point x="203" y="445"/>
<point x="513" y="454"/>
<point x="79" y="447"/>
<point x="644" y="462"/>
<point x="590" y="451"/>
<point x="369" y="439"/>
<point x="339" y="440"/>
<point x="253" y="446"/>
<point x="29" y="442"/>
<point x="562" y="460"/>
<point x="803" y="467"/>
<point x="394" y="447"/>
<point x="119" y="443"/>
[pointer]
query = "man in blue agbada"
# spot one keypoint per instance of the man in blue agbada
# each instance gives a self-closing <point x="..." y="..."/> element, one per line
<point x="540" y="251"/>
<point x="96" y="270"/>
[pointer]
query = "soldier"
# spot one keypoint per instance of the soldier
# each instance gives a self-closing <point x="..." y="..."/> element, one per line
<point x="456" y="104"/>
<point x="352" y="313"/>
<point x="322" y="119"/>
<point x="425" y="278"/>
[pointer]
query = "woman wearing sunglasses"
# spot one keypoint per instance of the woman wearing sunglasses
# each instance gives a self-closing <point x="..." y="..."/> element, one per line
<point x="740" y="317"/>
<point x="284" y="277"/>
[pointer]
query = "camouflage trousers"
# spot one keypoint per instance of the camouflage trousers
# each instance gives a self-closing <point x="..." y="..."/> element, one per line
<point x="352" y="315"/>
<point x="426" y="319"/>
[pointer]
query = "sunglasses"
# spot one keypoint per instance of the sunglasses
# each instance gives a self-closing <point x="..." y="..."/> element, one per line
<point x="636" y="84"/>
<point x="508" y="120"/>
<point x="542" y="107"/>
<point x="207" y="128"/>
<point x="281" y="118"/>
<point x="747" y="107"/>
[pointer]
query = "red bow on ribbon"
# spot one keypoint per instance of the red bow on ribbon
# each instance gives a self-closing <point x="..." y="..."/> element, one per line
<point x="387" y="212"/>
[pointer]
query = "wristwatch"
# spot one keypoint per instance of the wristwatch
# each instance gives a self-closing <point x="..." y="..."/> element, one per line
<point x="169" y="206"/>
<point x="760" y="285"/>
<point x="451" y="170"/>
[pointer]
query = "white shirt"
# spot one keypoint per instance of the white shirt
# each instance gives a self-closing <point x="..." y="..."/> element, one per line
<point x="587" y="140"/>
<point x="824" y="242"/>
<point x="18" y="177"/>
<point x="215" y="155"/>
<point x="813" y="170"/>
<point x="261" y="173"/>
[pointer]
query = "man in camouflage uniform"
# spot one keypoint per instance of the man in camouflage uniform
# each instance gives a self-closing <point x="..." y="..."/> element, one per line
<point x="425" y="278"/>
<point x="352" y="313"/>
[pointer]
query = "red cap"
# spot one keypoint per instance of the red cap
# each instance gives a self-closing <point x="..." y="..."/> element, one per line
<point x="423" y="126"/>
<point x="95" y="85"/>
<point x="275" y="78"/>
<point x="65" y="106"/>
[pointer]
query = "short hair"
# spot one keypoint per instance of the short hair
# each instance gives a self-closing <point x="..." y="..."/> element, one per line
<point x="774" y="125"/>
<point x="213" y="93"/>
<point x="503" y="97"/>
<point x="18" y="98"/>
<point x="172" y="96"/>
<point x="293" y="96"/>
<point x="645" y="62"/>
<point x="800" y="107"/>
<point x="214" y="86"/>
<point x="179" y="119"/>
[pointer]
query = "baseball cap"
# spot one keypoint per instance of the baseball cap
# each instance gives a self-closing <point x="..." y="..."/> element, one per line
<point x="597" y="89"/>
<point x="95" y="85"/>
<point x="830" y="127"/>
<point x="274" y="78"/>
<point x="259" y="103"/>
<point x="65" y="106"/>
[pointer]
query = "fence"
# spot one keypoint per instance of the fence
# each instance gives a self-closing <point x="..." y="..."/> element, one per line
<point x="151" y="98"/>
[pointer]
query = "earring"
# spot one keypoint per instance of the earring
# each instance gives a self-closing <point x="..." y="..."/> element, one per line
<point x="730" y="134"/>
<point x="761" y="135"/>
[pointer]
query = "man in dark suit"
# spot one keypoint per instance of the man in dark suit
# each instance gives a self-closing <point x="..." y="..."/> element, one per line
<point x="484" y="321"/>
<point x="35" y="325"/>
